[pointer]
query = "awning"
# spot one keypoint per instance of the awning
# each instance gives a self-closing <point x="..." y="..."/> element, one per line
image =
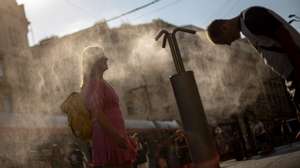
<point x="21" y="120"/>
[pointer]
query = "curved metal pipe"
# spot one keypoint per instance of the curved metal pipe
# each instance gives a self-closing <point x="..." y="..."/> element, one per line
<point x="176" y="47"/>
<point x="183" y="30"/>
<point x="166" y="37"/>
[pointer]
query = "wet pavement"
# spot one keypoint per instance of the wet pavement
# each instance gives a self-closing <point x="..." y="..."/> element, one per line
<point x="283" y="157"/>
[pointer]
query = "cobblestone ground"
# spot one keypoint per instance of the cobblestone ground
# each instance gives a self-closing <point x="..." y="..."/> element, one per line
<point x="283" y="157"/>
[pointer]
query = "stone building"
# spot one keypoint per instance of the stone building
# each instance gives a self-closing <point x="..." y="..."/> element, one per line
<point x="233" y="81"/>
<point x="139" y="70"/>
<point x="230" y="78"/>
<point x="13" y="46"/>
<point x="14" y="88"/>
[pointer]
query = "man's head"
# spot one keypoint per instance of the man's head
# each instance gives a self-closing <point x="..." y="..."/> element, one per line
<point x="179" y="132"/>
<point x="224" y="31"/>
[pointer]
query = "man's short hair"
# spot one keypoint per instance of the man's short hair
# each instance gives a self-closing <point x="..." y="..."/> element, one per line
<point x="215" y="32"/>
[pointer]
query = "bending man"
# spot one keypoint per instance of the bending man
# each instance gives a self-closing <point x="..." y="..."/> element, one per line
<point x="276" y="41"/>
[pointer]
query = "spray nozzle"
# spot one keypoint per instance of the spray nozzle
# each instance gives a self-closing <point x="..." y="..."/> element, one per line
<point x="294" y="20"/>
<point x="291" y="15"/>
<point x="171" y="37"/>
<point x="294" y="17"/>
<point x="183" y="30"/>
<point x="166" y="36"/>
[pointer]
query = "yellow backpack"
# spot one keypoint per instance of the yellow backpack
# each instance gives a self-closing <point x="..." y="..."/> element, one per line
<point x="78" y="116"/>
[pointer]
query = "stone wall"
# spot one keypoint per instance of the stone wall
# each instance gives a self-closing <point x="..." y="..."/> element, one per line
<point x="230" y="78"/>
<point x="13" y="65"/>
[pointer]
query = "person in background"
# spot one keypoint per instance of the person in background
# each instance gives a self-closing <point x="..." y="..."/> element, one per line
<point x="151" y="147"/>
<point x="274" y="39"/>
<point x="297" y="138"/>
<point x="162" y="157"/>
<point x="220" y="138"/>
<point x="111" y="146"/>
<point x="76" y="157"/>
<point x="172" y="156"/>
<point x="182" y="149"/>
<point x="261" y="137"/>
<point x="56" y="157"/>
<point x="237" y="145"/>
<point x="141" y="160"/>
<point x="162" y="163"/>
<point x="286" y="132"/>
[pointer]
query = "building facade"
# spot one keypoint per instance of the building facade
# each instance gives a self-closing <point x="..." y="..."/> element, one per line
<point x="230" y="78"/>
<point x="13" y="45"/>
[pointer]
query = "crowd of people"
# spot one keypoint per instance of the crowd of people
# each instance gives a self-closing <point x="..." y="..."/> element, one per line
<point x="261" y="139"/>
<point x="159" y="148"/>
<point x="162" y="149"/>
<point x="168" y="148"/>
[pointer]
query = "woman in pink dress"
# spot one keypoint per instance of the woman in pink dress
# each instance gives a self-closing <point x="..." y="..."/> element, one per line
<point x="111" y="147"/>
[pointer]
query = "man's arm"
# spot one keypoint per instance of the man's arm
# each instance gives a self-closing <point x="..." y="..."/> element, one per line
<point x="289" y="45"/>
<point x="261" y="22"/>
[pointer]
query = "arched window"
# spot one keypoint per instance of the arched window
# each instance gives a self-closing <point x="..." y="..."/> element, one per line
<point x="137" y="102"/>
<point x="5" y="103"/>
<point x="1" y="67"/>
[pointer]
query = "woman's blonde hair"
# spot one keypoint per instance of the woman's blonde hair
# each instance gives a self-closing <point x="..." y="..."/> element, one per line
<point x="89" y="57"/>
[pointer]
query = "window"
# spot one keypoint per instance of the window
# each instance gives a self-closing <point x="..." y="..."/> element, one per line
<point x="13" y="37"/>
<point x="137" y="101"/>
<point x="1" y="68"/>
<point x="5" y="103"/>
<point x="1" y="71"/>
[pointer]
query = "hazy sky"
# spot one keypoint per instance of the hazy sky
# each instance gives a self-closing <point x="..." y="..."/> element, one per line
<point x="60" y="17"/>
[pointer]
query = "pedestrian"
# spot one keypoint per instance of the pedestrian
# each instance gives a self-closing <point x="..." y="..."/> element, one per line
<point x="286" y="132"/>
<point x="237" y="145"/>
<point x="111" y="145"/>
<point x="276" y="41"/>
<point x="182" y="149"/>
<point x="56" y="157"/>
<point x="162" y="156"/>
<point x="141" y="159"/>
<point x="297" y="138"/>
<point x="172" y="157"/>
<point x="261" y="137"/>
<point x="162" y="162"/>
<point x="76" y="157"/>
<point x="221" y="138"/>
<point x="152" y="150"/>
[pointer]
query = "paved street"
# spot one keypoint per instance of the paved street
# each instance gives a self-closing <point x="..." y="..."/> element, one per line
<point x="283" y="157"/>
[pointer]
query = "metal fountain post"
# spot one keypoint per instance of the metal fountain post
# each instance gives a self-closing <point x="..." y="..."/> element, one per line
<point x="202" y="146"/>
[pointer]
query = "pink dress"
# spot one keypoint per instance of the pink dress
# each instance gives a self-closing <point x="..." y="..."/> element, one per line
<point x="99" y="95"/>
